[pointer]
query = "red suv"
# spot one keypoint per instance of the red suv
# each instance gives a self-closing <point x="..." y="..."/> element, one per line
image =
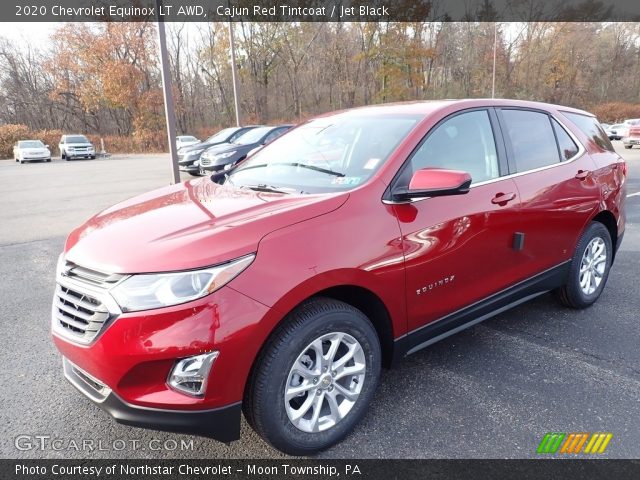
<point x="281" y="287"/>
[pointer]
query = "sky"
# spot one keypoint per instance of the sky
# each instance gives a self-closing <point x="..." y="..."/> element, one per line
<point x="36" y="33"/>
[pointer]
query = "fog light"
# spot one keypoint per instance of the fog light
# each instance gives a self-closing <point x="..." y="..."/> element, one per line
<point x="189" y="375"/>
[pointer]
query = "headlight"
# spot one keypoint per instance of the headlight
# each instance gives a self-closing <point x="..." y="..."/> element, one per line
<point x="147" y="291"/>
<point x="224" y="155"/>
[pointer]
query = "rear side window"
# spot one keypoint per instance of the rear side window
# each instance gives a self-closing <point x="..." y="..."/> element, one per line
<point x="591" y="128"/>
<point x="273" y="135"/>
<point x="566" y="145"/>
<point x="532" y="139"/>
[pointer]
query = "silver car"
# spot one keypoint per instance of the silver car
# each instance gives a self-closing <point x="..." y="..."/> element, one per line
<point x="31" y="151"/>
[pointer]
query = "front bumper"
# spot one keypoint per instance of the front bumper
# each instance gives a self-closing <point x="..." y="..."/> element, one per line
<point x="189" y="168"/>
<point x="126" y="366"/>
<point x="222" y="424"/>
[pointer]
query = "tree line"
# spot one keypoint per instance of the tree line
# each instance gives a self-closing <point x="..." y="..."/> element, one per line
<point x="104" y="79"/>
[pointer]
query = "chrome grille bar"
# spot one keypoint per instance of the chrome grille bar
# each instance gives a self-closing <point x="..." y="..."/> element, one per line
<point x="82" y="306"/>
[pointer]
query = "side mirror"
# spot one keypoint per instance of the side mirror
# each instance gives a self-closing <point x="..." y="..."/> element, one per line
<point x="46" y="146"/>
<point x="434" y="182"/>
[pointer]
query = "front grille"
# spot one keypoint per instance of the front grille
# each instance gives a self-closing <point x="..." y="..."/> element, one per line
<point x="205" y="161"/>
<point x="80" y="315"/>
<point x="87" y="275"/>
<point x="82" y="306"/>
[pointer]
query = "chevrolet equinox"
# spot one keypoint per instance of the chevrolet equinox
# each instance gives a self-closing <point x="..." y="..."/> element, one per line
<point x="280" y="287"/>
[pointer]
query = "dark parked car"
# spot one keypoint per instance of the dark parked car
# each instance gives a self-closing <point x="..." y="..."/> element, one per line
<point x="223" y="157"/>
<point x="189" y="157"/>
<point x="352" y="241"/>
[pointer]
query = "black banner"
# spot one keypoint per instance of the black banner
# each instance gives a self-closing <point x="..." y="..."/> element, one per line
<point x="319" y="10"/>
<point x="318" y="469"/>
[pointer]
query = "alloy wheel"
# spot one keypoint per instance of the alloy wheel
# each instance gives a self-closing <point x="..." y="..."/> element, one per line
<point x="325" y="382"/>
<point x="592" y="266"/>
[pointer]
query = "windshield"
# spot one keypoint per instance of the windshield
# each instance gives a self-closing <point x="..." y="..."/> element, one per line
<point x="221" y="135"/>
<point x="31" y="144"/>
<point x="252" y="136"/>
<point x="77" y="139"/>
<point x="329" y="154"/>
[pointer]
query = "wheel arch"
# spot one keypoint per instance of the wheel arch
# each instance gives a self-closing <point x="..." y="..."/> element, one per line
<point x="358" y="297"/>
<point x="606" y="218"/>
<point x="373" y="307"/>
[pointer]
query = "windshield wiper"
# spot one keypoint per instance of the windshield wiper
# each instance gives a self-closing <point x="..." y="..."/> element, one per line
<point x="265" y="188"/>
<point x="294" y="164"/>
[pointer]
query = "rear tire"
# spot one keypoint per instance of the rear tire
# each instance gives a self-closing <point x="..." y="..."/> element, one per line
<point x="589" y="269"/>
<point x="328" y="354"/>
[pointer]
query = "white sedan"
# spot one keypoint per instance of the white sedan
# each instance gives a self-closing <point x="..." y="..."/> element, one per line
<point x="31" y="151"/>
<point x="185" y="140"/>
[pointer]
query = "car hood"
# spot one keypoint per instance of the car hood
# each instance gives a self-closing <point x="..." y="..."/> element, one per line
<point x="186" y="226"/>
<point x="34" y="151"/>
<point x="198" y="146"/>
<point x="224" y="147"/>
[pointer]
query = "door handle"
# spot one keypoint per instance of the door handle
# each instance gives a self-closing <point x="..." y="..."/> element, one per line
<point x="503" y="198"/>
<point x="582" y="174"/>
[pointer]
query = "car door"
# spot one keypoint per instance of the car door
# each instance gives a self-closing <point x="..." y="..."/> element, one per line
<point x="458" y="249"/>
<point x="553" y="177"/>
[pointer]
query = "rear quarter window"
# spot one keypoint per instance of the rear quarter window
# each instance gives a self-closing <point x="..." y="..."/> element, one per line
<point x="591" y="127"/>
<point x="566" y="145"/>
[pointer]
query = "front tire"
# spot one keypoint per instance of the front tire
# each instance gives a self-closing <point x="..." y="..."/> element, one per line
<point x="315" y="378"/>
<point x="589" y="268"/>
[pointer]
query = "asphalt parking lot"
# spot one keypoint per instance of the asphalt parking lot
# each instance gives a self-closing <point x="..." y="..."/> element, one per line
<point x="492" y="391"/>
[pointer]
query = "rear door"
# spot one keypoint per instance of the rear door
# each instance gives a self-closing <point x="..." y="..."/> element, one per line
<point x="458" y="249"/>
<point x="553" y="175"/>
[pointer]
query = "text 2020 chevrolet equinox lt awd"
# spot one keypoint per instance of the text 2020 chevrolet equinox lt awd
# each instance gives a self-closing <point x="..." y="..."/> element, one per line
<point x="282" y="287"/>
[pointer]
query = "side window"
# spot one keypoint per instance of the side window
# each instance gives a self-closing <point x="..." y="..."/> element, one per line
<point x="464" y="142"/>
<point x="532" y="139"/>
<point x="568" y="148"/>
<point x="237" y="135"/>
<point x="591" y="128"/>
<point x="273" y="135"/>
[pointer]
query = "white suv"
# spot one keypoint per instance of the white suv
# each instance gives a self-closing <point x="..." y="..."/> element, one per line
<point x="76" y="146"/>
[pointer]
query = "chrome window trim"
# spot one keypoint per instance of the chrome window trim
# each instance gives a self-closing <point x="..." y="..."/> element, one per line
<point x="581" y="151"/>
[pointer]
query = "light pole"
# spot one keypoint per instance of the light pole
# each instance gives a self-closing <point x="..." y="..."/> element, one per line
<point x="169" y="111"/>
<point x="234" y="75"/>
<point x="495" y="47"/>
